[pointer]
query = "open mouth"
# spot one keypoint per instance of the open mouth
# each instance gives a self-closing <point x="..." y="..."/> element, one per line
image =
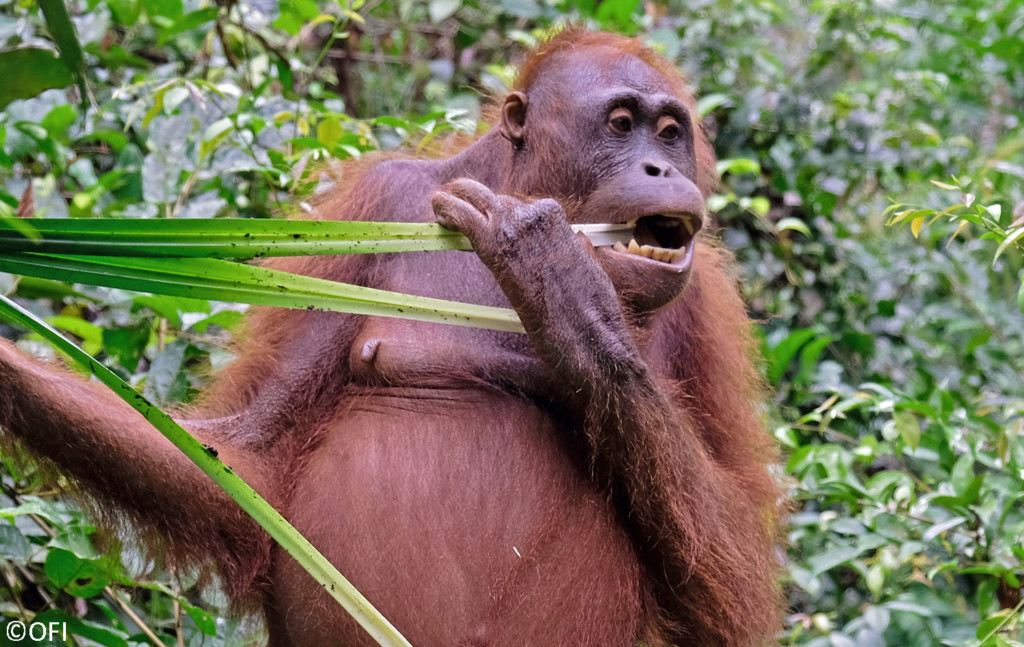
<point x="665" y="238"/>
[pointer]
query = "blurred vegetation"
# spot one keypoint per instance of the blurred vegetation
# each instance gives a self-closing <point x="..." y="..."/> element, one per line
<point x="873" y="191"/>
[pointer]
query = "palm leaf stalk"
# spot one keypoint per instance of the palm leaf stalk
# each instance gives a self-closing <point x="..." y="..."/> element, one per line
<point x="144" y="255"/>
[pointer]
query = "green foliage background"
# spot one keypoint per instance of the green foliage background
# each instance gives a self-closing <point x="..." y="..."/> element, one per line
<point x="896" y="352"/>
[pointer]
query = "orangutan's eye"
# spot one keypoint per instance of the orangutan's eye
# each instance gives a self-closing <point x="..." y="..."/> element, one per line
<point x="620" y="121"/>
<point x="668" y="128"/>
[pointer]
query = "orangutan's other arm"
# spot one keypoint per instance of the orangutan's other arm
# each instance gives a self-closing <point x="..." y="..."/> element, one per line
<point x="124" y="464"/>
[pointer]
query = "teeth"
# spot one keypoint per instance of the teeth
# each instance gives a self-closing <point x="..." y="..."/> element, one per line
<point x="689" y="226"/>
<point x="648" y="251"/>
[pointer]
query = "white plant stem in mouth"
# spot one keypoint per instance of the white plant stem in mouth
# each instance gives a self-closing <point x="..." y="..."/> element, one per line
<point x="604" y="234"/>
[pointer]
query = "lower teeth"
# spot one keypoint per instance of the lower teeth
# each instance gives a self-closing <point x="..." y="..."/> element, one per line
<point x="647" y="251"/>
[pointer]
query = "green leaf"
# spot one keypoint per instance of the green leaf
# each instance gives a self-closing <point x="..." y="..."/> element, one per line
<point x="166" y="381"/>
<point x="48" y="510"/>
<point x="805" y="579"/>
<point x="1012" y="237"/>
<point x="304" y="9"/>
<point x="909" y="427"/>
<point x="214" y="134"/>
<point x="915" y="226"/>
<point x="329" y="131"/>
<point x="985" y="569"/>
<point x="90" y="334"/>
<point x="877" y="618"/>
<point x="226" y="319"/>
<point x="616" y="14"/>
<point x="709" y="102"/>
<point x="171" y="9"/>
<point x="33" y="130"/>
<point x="909" y="607"/>
<point x="223" y="238"/>
<point x="962" y="474"/>
<point x="830" y="559"/>
<point x="1020" y="295"/>
<point x="191" y="20"/>
<point x="79" y="577"/>
<point x="174" y="97"/>
<point x="58" y="21"/>
<point x="13" y="545"/>
<point x="20" y="225"/>
<point x="288" y="22"/>
<point x="58" y="120"/>
<point x="937" y="529"/>
<point x="992" y="624"/>
<point x="737" y="166"/>
<point x="285" y="76"/>
<point x="759" y="205"/>
<point x="206" y="623"/>
<point x="809" y="356"/>
<point x="875" y="580"/>
<point x="1003" y="166"/>
<point x="440" y="10"/>
<point x="112" y="138"/>
<point x="793" y="224"/>
<point x="785" y="351"/>
<point x="127" y="343"/>
<point x="76" y="540"/>
<point x="170" y="308"/>
<point x="227" y="281"/>
<point x="231" y="238"/>
<point x="847" y="526"/>
<point x="29" y="71"/>
<point x="94" y="632"/>
<point x="126" y="12"/>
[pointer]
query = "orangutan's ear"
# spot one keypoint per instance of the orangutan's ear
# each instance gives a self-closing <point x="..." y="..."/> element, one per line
<point x="513" y="117"/>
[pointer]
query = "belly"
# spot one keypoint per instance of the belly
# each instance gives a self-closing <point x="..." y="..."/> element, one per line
<point x="462" y="517"/>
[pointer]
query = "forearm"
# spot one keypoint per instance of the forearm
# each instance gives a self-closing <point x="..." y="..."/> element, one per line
<point x="575" y="322"/>
<point x="114" y="456"/>
<point x="692" y="521"/>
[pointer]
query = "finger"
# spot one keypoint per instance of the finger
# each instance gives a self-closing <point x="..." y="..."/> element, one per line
<point x="588" y="246"/>
<point x="455" y="213"/>
<point x="475" y="194"/>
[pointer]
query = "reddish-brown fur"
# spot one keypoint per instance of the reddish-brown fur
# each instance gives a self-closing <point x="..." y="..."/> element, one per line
<point x="455" y="482"/>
